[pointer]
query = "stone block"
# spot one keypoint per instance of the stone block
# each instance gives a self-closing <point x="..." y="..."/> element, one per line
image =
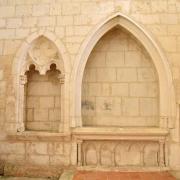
<point x="130" y="106"/>
<point x="18" y="158"/>
<point x="143" y="89"/>
<point x="88" y="105"/>
<point x="7" y="11"/>
<point x="159" y="6"/>
<point x="96" y="59"/>
<point x="173" y="29"/>
<point x="168" y="18"/>
<point x="23" y="10"/>
<point x="158" y="29"/>
<point x="31" y="171"/>
<point x="169" y="43"/>
<point x="120" y="89"/>
<point x="55" y="148"/>
<point x="55" y="114"/>
<point x="30" y="115"/>
<point x="149" y="107"/>
<point x="41" y="114"/>
<point x="90" y="75"/>
<point x="60" y="31"/>
<point x="108" y="107"/>
<point x="14" y="22"/>
<point x="2" y="23"/>
<point x="70" y="8"/>
<point x="94" y="89"/>
<point x="140" y="6"/>
<point x="39" y="159"/>
<point x="146" y="74"/>
<point x="29" y="22"/>
<point x="36" y="148"/>
<point x="126" y="75"/>
<point x="40" y="10"/>
<point x="115" y="59"/>
<point x="81" y="30"/>
<point x="46" y="21"/>
<point x="43" y="88"/>
<point x="174" y="155"/>
<point x="57" y="101"/>
<point x="33" y="102"/>
<point x="64" y="20"/>
<point x="105" y="89"/>
<point x="55" y="9"/>
<point x="39" y="126"/>
<point x="81" y="20"/>
<point x="106" y="74"/>
<point x="7" y="33"/>
<point x="47" y="102"/>
<point x="59" y="160"/>
<point x="10" y="46"/>
<point x="132" y="59"/>
<point x="12" y="148"/>
<point x="22" y="33"/>
<point x="118" y="44"/>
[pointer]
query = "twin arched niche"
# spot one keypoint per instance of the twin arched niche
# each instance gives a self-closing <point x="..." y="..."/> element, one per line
<point x="138" y="59"/>
<point x="40" y="80"/>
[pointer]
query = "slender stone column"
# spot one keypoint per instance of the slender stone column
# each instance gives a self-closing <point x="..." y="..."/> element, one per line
<point x="22" y="103"/>
<point x="161" y="153"/>
<point x="79" y="143"/>
<point x="61" y="81"/>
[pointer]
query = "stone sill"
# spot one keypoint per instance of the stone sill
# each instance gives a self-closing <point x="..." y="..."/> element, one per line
<point x="123" y="168"/>
<point x="113" y="133"/>
<point x="39" y="136"/>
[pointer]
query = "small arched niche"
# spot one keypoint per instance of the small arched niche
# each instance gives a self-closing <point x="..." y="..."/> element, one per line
<point x="41" y="88"/>
<point x="43" y="100"/>
<point x="120" y="84"/>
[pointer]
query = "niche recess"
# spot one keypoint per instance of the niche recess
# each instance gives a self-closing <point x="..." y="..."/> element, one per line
<point x="120" y="84"/>
<point x="42" y="85"/>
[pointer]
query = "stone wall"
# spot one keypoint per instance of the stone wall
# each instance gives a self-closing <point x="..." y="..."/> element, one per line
<point x="120" y="85"/>
<point x="72" y="21"/>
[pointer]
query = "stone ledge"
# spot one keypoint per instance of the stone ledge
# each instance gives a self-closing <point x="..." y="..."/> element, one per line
<point x="106" y="133"/>
<point x="38" y="136"/>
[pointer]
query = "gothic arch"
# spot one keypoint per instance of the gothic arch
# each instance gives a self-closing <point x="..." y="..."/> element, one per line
<point x="18" y="70"/>
<point x="166" y="89"/>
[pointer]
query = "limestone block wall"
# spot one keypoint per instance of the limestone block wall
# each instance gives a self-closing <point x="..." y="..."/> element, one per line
<point x="72" y="21"/>
<point x="43" y="103"/>
<point x="120" y="84"/>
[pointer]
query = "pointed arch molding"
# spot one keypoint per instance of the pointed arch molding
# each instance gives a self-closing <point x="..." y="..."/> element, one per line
<point x="18" y="72"/>
<point x="166" y="89"/>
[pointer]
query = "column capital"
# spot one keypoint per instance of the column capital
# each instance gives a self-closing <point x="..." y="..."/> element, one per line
<point x="23" y="79"/>
<point x="61" y="78"/>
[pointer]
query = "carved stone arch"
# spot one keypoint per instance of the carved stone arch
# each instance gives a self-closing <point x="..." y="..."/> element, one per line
<point x="90" y="154"/>
<point x="107" y="154"/>
<point x="19" y="67"/>
<point x="166" y="89"/>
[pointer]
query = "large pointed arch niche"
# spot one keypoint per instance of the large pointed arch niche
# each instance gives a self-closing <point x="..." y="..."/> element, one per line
<point x="120" y="85"/>
<point x="166" y="104"/>
<point x="121" y="77"/>
<point x="41" y="73"/>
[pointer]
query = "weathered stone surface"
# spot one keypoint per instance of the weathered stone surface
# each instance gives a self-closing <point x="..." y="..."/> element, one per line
<point x="31" y="171"/>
